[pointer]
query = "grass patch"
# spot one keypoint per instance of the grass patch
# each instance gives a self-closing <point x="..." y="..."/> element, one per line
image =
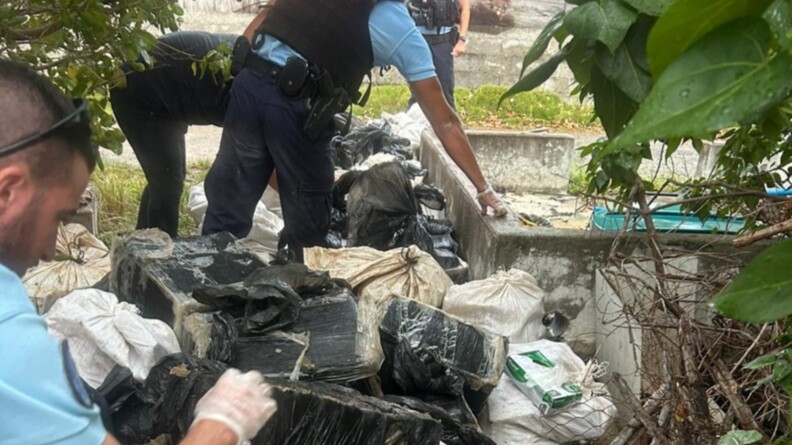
<point x="120" y="187"/>
<point x="388" y="98"/>
<point x="478" y="108"/>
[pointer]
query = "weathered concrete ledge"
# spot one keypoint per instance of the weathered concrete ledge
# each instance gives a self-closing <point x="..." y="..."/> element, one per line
<point x="518" y="161"/>
<point x="564" y="261"/>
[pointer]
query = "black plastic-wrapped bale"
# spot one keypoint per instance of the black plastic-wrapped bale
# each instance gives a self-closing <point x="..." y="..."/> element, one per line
<point x="334" y="339"/>
<point x="158" y="274"/>
<point x="429" y="351"/>
<point x="327" y="414"/>
<point x="459" y="424"/>
<point x="308" y="413"/>
<point x="383" y="212"/>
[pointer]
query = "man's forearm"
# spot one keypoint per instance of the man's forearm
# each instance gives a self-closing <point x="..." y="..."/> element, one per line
<point x="209" y="432"/>
<point x="457" y="145"/>
<point x="448" y="128"/>
<point x="205" y="432"/>
<point x="464" y="19"/>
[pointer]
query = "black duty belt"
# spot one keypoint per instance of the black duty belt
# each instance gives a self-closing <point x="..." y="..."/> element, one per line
<point x="449" y="37"/>
<point x="256" y="63"/>
<point x="263" y="66"/>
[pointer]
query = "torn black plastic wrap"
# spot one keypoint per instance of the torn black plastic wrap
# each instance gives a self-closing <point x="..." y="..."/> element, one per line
<point x="164" y="403"/>
<point x="128" y="407"/>
<point x="428" y="351"/>
<point x="158" y="274"/>
<point x="325" y="414"/>
<point x="334" y="339"/>
<point x="459" y="424"/>
<point x="308" y="413"/>
<point x="383" y="212"/>
<point x="269" y="298"/>
<point x="362" y="142"/>
<point x="430" y="196"/>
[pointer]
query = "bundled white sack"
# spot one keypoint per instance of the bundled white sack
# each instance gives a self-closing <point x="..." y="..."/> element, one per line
<point x="263" y="236"/>
<point x="102" y="333"/>
<point x="505" y="434"/>
<point x="271" y="200"/>
<point x="507" y="303"/>
<point x="404" y="272"/>
<point x="408" y="125"/>
<point x="512" y="414"/>
<point x="81" y="260"/>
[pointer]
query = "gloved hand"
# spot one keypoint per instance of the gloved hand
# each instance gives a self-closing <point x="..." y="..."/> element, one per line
<point x="489" y="199"/>
<point x="242" y="402"/>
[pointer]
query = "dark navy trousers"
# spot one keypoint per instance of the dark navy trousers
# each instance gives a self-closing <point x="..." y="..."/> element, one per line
<point x="157" y="138"/>
<point x="263" y="131"/>
<point x="444" y="67"/>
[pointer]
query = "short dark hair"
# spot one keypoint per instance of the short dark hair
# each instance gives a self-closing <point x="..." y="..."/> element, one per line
<point x="46" y="161"/>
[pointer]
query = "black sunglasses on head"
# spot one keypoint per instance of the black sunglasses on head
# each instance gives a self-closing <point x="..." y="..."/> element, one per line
<point x="77" y="123"/>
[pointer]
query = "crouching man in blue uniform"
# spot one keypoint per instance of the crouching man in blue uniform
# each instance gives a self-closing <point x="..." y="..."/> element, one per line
<point x="308" y="61"/>
<point x="46" y="158"/>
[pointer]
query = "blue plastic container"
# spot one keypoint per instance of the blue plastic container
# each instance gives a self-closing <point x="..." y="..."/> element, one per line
<point x="667" y="220"/>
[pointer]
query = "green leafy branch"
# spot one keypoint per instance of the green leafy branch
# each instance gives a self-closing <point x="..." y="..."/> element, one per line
<point x="79" y="44"/>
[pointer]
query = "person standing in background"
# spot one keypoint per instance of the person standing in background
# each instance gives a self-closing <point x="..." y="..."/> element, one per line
<point x="444" y="25"/>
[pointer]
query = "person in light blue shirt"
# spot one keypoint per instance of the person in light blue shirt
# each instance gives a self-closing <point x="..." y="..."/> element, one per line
<point x="46" y="158"/>
<point x="33" y="381"/>
<point x="308" y="61"/>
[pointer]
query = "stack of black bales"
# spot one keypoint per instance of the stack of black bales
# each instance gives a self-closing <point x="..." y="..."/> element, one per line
<point x="308" y="413"/>
<point x="290" y="322"/>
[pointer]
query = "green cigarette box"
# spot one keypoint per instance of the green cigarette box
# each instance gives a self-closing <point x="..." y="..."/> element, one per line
<point x="538" y="378"/>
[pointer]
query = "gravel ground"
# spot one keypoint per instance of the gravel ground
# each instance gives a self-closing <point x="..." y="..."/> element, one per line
<point x="567" y="212"/>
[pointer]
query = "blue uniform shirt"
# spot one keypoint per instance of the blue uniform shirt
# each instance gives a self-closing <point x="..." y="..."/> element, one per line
<point x="395" y="41"/>
<point x="38" y="401"/>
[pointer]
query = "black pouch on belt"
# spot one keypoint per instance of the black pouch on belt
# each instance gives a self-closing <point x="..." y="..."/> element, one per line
<point x="241" y="52"/>
<point x="291" y="79"/>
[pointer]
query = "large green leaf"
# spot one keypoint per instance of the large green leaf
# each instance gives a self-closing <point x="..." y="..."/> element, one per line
<point x="612" y="106"/>
<point x="580" y="59"/>
<point x="606" y="21"/>
<point x="686" y="21"/>
<point x="536" y="77"/>
<point x="627" y="67"/>
<point x="762" y="291"/>
<point x="725" y="78"/>
<point x="542" y="40"/>
<point x="779" y="16"/>
<point x="740" y="437"/>
<point x="650" y="7"/>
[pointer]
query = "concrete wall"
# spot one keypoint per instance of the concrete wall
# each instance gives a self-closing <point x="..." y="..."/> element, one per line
<point x="220" y="6"/>
<point x="524" y="162"/>
<point x="495" y="53"/>
<point x="564" y="261"/>
<point x="564" y="269"/>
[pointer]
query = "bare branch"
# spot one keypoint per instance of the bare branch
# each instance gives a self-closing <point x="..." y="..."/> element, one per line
<point x="638" y="410"/>
<point x="765" y="233"/>
<point x="26" y="35"/>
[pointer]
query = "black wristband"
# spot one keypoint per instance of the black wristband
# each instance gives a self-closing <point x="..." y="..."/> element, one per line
<point x="463" y="38"/>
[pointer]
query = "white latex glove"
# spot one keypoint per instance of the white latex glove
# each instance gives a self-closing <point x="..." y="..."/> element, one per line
<point x="242" y="402"/>
<point x="489" y="199"/>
